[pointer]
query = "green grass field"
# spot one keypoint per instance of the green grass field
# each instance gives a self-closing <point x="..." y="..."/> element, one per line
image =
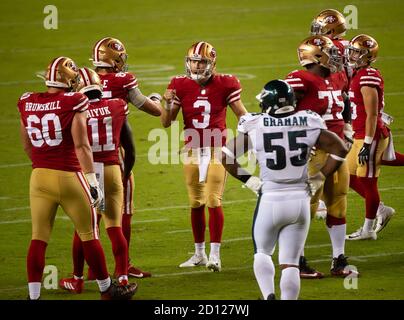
<point x="255" y="40"/>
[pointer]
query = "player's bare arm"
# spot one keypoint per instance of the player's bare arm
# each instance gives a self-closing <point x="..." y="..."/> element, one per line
<point x="170" y="110"/>
<point x="81" y="143"/>
<point x="238" y="108"/>
<point x="128" y="145"/>
<point x="26" y="142"/>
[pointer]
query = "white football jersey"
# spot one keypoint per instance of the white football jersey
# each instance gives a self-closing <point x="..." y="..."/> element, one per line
<point x="282" y="146"/>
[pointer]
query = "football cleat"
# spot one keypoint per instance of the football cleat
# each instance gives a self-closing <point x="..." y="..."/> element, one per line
<point x="361" y="234"/>
<point x="214" y="264"/>
<point x="271" y="296"/>
<point x="119" y="292"/>
<point x="137" y="273"/>
<point x="307" y="272"/>
<point x="340" y="267"/>
<point x="71" y="284"/>
<point x="383" y="216"/>
<point x="195" y="261"/>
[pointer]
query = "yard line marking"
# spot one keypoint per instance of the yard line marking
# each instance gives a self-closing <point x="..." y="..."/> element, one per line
<point x="250" y="267"/>
<point x="178" y="231"/>
<point x="11" y="165"/>
<point x="164" y="275"/>
<point x="67" y="218"/>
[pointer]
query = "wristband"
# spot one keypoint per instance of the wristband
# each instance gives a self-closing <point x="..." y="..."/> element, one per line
<point x="368" y="140"/>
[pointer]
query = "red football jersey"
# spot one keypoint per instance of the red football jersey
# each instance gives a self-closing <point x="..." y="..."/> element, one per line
<point x="341" y="44"/>
<point x="104" y="123"/>
<point x="204" y="107"/>
<point x="117" y="84"/>
<point x="321" y="95"/>
<point x="48" y="119"/>
<point x="372" y="78"/>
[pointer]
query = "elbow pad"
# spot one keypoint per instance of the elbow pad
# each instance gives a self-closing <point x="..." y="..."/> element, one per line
<point x="136" y="97"/>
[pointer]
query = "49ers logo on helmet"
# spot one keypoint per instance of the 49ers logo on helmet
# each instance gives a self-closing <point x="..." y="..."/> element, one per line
<point x="213" y="53"/>
<point x="330" y="19"/>
<point x="317" y="41"/>
<point x="369" y="43"/>
<point x="117" y="46"/>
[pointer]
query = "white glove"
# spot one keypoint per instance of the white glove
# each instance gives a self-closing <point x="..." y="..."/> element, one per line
<point x="315" y="182"/>
<point x="348" y="135"/>
<point x="95" y="190"/>
<point x="254" y="184"/>
<point x="155" y="96"/>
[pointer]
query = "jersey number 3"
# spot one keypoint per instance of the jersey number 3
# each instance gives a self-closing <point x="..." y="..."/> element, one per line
<point x="205" y="104"/>
<point x="279" y="162"/>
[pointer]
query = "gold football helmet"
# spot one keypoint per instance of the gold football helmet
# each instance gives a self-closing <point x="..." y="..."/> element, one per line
<point x="62" y="73"/>
<point x="320" y="50"/>
<point x="362" y="50"/>
<point x="330" y="23"/>
<point x="110" y="53"/>
<point x="201" y="51"/>
<point x="89" y="80"/>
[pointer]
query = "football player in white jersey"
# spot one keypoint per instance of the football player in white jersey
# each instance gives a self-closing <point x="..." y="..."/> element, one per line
<point x="281" y="139"/>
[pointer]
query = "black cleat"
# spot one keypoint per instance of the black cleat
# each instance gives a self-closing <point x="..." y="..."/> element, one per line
<point x="119" y="292"/>
<point x="339" y="267"/>
<point x="271" y="296"/>
<point x="306" y="272"/>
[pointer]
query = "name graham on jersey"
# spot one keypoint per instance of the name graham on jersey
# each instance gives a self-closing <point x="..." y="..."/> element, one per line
<point x="92" y="113"/>
<point x="54" y="105"/>
<point x="289" y="121"/>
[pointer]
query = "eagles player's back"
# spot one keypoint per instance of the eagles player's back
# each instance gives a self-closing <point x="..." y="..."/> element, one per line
<point x="281" y="140"/>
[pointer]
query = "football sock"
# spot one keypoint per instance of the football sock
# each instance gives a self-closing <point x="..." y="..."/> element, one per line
<point x="36" y="260"/>
<point x="198" y="224"/>
<point x="337" y="232"/>
<point x="214" y="249"/>
<point x="104" y="284"/>
<point x="369" y="224"/>
<point x="372" y="196"/>
<point x="355" y="184"/>
<point x="200" y="248"/>
<point x="119" y="249"/>
<point x="264" y="271"/>
<point x="78" y="256"/>
<point x="126" y="227"/>
<point x="216" y="221"/>
<point x="290" y="283"/>
<point x="398" y="162"/>
<point x="34" y="289"/>
<point x="95" y="258"/>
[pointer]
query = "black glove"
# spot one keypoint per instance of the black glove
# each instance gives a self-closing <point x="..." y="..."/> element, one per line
<point x="364" y="154"/>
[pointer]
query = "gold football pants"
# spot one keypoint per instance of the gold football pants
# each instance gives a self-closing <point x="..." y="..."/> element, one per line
<point x="50" y="188"/>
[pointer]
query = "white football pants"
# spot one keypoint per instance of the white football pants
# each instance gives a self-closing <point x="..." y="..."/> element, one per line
<point x="283" y="217"/>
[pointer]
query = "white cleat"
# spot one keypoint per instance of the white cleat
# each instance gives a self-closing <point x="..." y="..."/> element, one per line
<point x="361" y="234"/>
<point x="321" y="212"/>
<point x="214" y="264"/>
<point x="195" y="261"/>
<point x="383" y="216"/>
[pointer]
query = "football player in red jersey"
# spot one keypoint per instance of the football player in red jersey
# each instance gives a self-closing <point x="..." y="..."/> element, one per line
<point x="109" y="58"/>
<point x="320" y="88"/>
<point x="54" y="136"/>
<point x="107" y="129"/>
<point x="371" y="137"/>
<point x="331" y="23"/>
<point x="203" y="96"/>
